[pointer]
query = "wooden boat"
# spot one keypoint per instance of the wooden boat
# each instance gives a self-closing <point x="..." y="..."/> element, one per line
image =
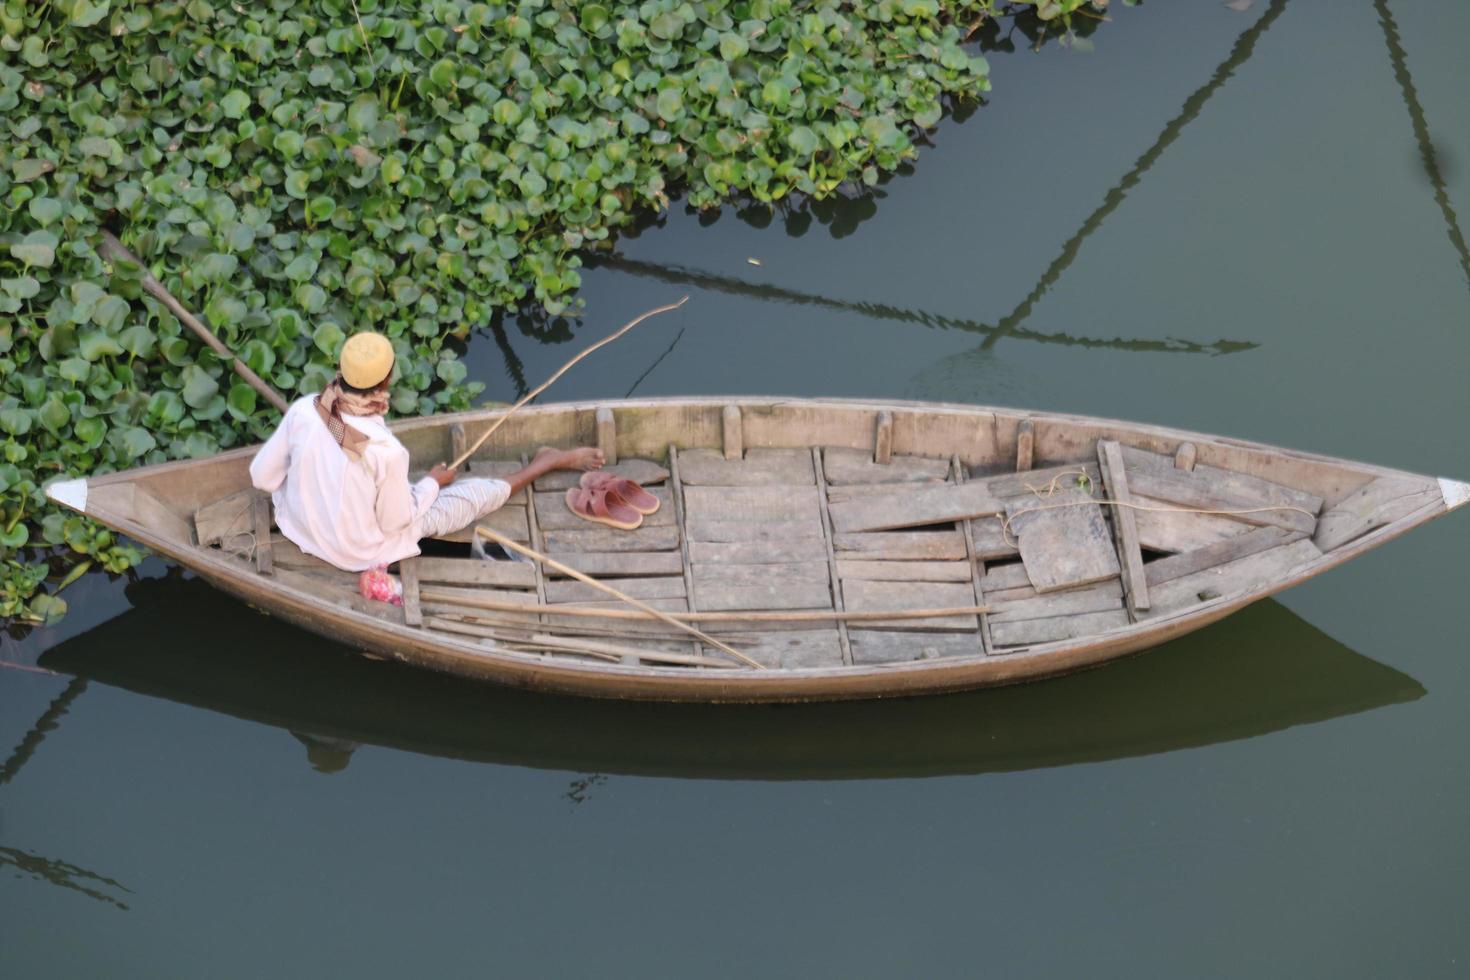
<point x="852" y="549"/>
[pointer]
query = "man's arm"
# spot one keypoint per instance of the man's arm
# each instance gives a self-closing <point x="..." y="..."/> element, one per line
<point x="400" y="503"/>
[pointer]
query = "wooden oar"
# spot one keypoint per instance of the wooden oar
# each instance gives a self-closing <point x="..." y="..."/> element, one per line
<point x="115" y="250"/>
<point x="552" y="563"/>
<point x="559" y="372"/>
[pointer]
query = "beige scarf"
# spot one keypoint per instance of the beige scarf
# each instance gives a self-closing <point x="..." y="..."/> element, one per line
<point x="335" y="401"/>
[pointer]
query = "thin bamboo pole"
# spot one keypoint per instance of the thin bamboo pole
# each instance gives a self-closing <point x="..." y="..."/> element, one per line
<point x="599" y="648"/>
<point x="115" y="250"/>
<point x="552" y="563"/>
<point x="484" y="618"/>
<point x="747" y="616"/>
<point x="559" y="372"/>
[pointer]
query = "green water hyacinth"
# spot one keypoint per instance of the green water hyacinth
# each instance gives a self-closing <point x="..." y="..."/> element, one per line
<point x="295" y="171"/>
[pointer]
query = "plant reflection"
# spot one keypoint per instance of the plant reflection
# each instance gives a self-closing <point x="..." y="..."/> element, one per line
<point x="62" y="874"/>
<point x="1428" y="155"/>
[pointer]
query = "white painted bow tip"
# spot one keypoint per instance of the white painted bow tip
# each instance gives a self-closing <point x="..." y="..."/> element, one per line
<point x="1455" y="493"/>
<point x="69" y="493"/>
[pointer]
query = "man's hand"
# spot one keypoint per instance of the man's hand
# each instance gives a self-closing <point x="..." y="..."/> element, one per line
<point x="443" y="475"/>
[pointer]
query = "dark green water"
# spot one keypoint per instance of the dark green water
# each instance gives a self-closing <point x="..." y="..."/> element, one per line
<point x="1245" y="222"/>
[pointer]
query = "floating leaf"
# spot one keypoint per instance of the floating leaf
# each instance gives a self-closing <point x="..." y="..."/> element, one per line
<point x="242" y="401"/>
<point x="90" y="432"/>
<point x="54" y="415"/>
<point x="443" y="73"/>
<point x="137" y="441"/>
<point x="37" y="248"/>
<point x="23" y="287"/>
<point x="234" y="104"/>
<point x="28" y="169"/>
<point x="670" y="104"/>
<point x="165" y="409"/>
<point x="85" y="13"/>
<point x="215" y="267"/>
<point x="97" y="344"/>
<point x="297" y="183"/>
<point x="199" y="386"/>
<point x="328" y="338"/>
<point x="733" y="46"/>
<point x="803" y="140"/>
<point x="137" y="340"/>
<point x="45" y="209"/>
<point x="15" y="421"/>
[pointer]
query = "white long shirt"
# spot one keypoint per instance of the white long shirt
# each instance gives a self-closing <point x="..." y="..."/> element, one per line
<point x="355" y="514"/>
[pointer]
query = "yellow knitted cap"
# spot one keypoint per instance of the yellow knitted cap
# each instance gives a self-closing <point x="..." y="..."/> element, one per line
<point x="367" y="359"/>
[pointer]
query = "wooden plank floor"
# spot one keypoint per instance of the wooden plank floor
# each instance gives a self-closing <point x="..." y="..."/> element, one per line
<point x="840" y="529"/>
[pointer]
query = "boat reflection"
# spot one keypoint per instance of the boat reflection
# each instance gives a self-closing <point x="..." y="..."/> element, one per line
<point x="1263" y="670"/>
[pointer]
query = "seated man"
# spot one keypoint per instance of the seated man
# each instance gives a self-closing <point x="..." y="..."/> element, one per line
<point x="339" y="479"/>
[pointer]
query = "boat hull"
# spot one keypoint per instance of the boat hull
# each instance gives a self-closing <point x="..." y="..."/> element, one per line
<point x="154" y="505"/>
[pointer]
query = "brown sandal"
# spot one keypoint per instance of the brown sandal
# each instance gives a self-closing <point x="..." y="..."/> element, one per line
<point x="602" y="506"/>
<point x="629" y="492"/>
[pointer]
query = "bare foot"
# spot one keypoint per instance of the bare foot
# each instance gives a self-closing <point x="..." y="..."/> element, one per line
<point x="581" y="458"/>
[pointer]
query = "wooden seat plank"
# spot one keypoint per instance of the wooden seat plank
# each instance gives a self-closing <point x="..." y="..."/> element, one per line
<point x="796" y="649"/>
<point x="1173" y="530"/>
<point x="1006" y="575"/>
<point x="990" y="540"/>
<point x="902" y="646"/>
<point x="1023" y="632"/>
<point x="1227" y="481"/>
<point x="1243" y="575"/>
<point x="1065" y="545"/>
<point x="915" y="508"/>
<point x="1031" y="483"/>
<point x="225" y="518"/>
<point x="729" y="574"/>
<point x="607" y="539"/>
<point x="718" y="531"/>
<point x="618" y="563"/>
<point x="798" y="592"/>
<point x="1101" y="597"/>
<point x="758" y="468"/>
<point x="1381" y="502"/>
<point x="864" y="596"/>
<point x="904" y="571"/>
<point x="845" y="466"/>
<point x="571" y="590"/>
<point x="902" y="545"/>
<point x="476" y="571"/>
<point x="1252" y="541"/>
<point x="286" y="554"/>
<point x="757" y="552"/>
<point x="1239" y="497"/>
<point x="752" y="504"/>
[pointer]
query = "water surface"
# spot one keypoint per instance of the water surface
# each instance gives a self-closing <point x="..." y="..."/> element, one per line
<point x="1245" y="222"/>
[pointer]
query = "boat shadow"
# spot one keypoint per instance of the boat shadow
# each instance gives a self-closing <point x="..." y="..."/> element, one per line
<point x="1262" y="670"/>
